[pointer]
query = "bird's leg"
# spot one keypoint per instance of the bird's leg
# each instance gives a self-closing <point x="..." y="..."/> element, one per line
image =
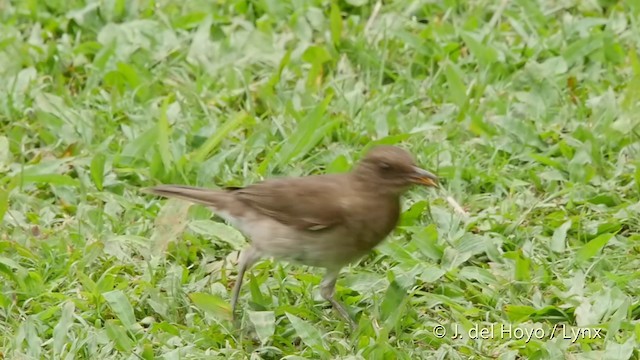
<point x="248" y="257"/>
<point x="328" y="290"/>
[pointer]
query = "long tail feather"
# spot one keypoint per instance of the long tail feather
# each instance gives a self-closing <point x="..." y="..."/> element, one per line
<point x="197" y="195"/>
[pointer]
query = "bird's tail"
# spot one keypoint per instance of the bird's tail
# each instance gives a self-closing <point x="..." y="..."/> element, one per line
<point x="197" y="195"/>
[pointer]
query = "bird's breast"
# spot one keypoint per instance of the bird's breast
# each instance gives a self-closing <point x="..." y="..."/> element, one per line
<point x="370" y="218"/>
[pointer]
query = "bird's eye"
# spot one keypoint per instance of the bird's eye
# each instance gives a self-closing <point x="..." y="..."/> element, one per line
<point x="384" y="166"/>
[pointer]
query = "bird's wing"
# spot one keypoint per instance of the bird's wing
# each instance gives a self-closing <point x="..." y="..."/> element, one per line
<point x="309" y="203"/>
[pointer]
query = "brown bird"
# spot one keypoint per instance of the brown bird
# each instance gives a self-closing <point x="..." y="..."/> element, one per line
<point x="323" y="221"/>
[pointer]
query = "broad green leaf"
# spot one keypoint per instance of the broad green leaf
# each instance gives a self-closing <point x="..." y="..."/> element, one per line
<point x="28" y="332"/>
<point x="97" y="169"/>
<point x="87" y="283"/>
<point x="533" y="12"/>
<point x="393" y="298"/>
<point x="545" y="160"/>
<point x="618" y="318"/>
<point x="522" y="268"/>
<point x="4" y="203"/>
<point x="307" y="133"/>
<point x="302" y="28"/>
<point x="191" y="20"/>
<point x="130" y="74"/>
<point x="590" y="249"/>
<point x="617" y="351"/>
<point x="430" y="273"/>
<point x="550" y="313"/>
<point x="472" y="273"/>
<point x="307" y="332"/>
<point x="5" y="153"/>
<point x="581" y="48"/>
<point x="164" y="132"/>
<point x="632" y="91"/>
<point x="455" y="82"/>
<point x="60" y="331"/>
<point x="387" y="140"/>
<point x="427" y="242"/>
<point x="121" y="306"/>
<point x="485" y="54"/>
<point x="273" y="81"/>
<point x="609" y="200"/>
<point x="364" y="282"/>
<point x="452" y="258"/>
<point x="335" y="23"/>
<point x="339" y="165"/>
<point x="119" y="336"/>
<point x="397" y="252"/>
<point x="33" y="283"/>
<point x="212" y="304"/>
<point x="220" y="134"/>
<point x="51" y="179"/>
<point x="558" y="240"/>
<point x="517" y="313"/>
<point x="107" y="280"/>
<point x="554" y="66"/>
<point x="471" y="243"/>
<point x="139" y="147"/>
<point x="256" y="294"/>
<point x="316" y="55"/>
<point x="413" y="214"/>
<point x="585" y="313"/>
<point x="264" y="323"/>
<point x="11" y="269"/>
<point x="221" y="231"/>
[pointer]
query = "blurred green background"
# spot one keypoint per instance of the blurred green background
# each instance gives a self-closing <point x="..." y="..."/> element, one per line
<point x="527" y="110"/>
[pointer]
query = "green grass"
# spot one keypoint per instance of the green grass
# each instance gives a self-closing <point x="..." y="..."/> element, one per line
<point x="527" y="110"/>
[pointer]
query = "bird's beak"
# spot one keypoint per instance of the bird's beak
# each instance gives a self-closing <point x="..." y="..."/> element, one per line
<point x="424" y="177"/>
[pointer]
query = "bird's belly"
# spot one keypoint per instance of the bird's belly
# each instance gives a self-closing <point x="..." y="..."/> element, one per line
<point x="323" y="248"/>
<point x="311" y="250"/>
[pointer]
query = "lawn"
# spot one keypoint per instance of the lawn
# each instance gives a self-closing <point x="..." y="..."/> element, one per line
<point x="527" y="110"/>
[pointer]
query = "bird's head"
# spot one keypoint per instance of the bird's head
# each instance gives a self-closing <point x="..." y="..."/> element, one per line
<point x="392" y="169"/>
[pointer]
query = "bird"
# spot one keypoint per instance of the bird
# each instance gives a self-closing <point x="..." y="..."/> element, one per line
<point x="325" y="220"/>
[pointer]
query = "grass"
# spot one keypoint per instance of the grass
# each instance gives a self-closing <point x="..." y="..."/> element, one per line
<point x="528" y="111"/>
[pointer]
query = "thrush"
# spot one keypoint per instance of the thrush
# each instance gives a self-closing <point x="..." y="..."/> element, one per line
<point x="326" y="221"/>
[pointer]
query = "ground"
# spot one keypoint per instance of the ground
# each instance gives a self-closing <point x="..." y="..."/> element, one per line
<point x="527" y="110"/>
